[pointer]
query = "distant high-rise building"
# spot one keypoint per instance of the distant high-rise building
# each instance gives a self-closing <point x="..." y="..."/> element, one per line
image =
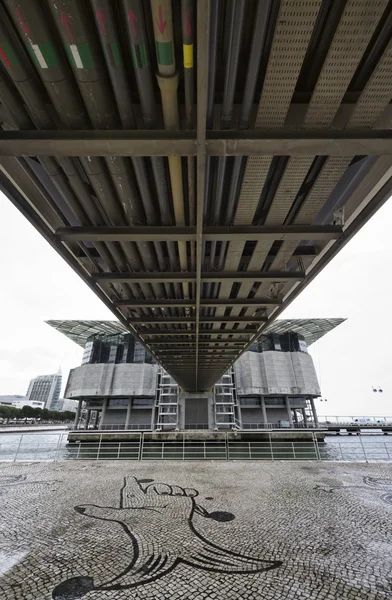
<point x="46" y="388"/>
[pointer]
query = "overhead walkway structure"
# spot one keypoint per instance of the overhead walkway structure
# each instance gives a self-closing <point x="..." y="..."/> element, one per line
<point x="196" y="163"/>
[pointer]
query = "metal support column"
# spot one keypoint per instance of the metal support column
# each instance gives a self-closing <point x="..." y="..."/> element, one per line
<point x="128" y="417"/>
<point x="103" y="413"/>
<point x="305" y="417"/>
<point x="77" y="416"/>
<point x="289" y="415"/>
<point x="263" y="410"/>
<point x="315" y="418"/>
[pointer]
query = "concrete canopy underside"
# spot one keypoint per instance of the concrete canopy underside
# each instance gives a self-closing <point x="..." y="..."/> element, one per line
<point x="197" y="188"/>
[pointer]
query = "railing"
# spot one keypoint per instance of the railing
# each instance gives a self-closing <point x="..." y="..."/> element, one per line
<point x="257" y="426"/>
<point x="245" y="426"/>
<point x="365" y="421"/>
<point x="33" y="424"/>
<point x="54" y="447"/>
<point x="117" y="427"/>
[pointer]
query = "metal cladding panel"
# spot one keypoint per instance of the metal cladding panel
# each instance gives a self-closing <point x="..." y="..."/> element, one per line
<point x="112" y="380"/>
<point x="276" y="373"/>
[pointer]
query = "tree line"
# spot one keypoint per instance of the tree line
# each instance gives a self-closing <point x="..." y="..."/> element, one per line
<point x="11" y="412"/>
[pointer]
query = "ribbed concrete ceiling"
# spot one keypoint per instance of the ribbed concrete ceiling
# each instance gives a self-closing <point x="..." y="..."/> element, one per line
<point x="197" y="188"/>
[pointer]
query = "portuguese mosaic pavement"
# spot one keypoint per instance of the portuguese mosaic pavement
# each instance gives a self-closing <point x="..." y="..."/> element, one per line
<point x="195" y="531"/>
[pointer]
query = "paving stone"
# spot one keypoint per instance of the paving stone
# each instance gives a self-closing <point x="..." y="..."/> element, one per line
<point x="195" y="531"/>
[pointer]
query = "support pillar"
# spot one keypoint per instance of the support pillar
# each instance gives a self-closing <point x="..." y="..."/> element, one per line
<point x="237" y="412"/>
<point x="211" y="410"/>
<point x="77" y="416"/>
<point x="315" y="418"/>
<point x="128" y="417"/>
<point x="88" y="416"/>
<point x="103" y="413"/>
<point x="181" y="404"/>
<point x="295" y="416"/>
<point x="289" y="415"/>
<point x="263" y="410"/>
<point x="305" y="417"/>
<point x="96" y="419"/>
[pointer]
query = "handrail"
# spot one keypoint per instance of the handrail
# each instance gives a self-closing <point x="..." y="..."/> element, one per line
<point x="54" y="447"/>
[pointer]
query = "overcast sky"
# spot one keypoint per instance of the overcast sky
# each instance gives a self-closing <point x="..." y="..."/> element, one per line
<point x="37" y="285"/>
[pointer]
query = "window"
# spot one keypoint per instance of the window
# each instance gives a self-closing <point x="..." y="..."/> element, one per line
<point x="250" y="402"/>
<point x="118" y="402"/>
<point x="274" y="401"/>
<point x="142" y="402"/>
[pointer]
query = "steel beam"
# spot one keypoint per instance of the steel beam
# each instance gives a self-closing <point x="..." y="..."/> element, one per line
<point x="192" y="351"/>
<point x="202" y="23"/>
<point x="202" y="319"/>
<point x="154" y="303"/>
<point x="234" y="276"/>
<point x="300" y="142"/>
<point x="267" y="233"/>
<point x="212" y="344"/>
<point x="185" y="143"/>
<point x="126" y="234"/>
<point x="166" y="234"/>
<point x="182" y="332"/>
<point x="145" y="277"/>
<point x="97" y="143"/>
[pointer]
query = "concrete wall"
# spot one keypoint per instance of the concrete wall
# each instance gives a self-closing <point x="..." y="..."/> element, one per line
<point x="114" y="417"/>
<point x="276" y="373"/>
<point x="112" y="380"/>
<point x="196" y="411"/>
<point x="276" y="414"/>
<point x="138" y="416"/>
<point x="141" y="416"/>
<point x="251" y="415"/>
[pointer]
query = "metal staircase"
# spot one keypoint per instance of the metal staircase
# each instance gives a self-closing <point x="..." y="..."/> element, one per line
<point x="225" y="402"/>
<point x="166" y="402"/>
<point x="308" y="413"/>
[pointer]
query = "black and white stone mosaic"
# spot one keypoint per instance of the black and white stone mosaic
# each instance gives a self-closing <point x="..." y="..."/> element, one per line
<point x="195" y="531"/>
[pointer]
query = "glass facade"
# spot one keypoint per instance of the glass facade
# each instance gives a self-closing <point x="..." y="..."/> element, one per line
<point x="283" y="342"/>
<point x="115" y="349"/>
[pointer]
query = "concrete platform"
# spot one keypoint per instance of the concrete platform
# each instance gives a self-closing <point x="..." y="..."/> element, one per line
<point x="199" y="531"/>
<point x="33" y="428"/>
<point x="196" y="435"/>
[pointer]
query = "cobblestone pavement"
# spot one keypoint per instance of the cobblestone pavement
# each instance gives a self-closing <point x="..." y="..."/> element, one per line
<point x="195" y="531"/>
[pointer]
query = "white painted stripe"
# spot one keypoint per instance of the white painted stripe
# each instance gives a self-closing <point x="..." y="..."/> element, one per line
<point x="39" y="56"/>
<point x="76" y="55"/>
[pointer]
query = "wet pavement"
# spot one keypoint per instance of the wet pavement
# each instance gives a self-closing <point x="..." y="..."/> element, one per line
<point x="201" y="530"/>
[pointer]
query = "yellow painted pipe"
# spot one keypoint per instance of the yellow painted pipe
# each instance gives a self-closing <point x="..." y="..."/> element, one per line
<point x="168" y="84"/>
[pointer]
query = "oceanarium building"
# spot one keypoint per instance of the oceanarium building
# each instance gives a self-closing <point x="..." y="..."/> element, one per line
<point x="120" y="386"/>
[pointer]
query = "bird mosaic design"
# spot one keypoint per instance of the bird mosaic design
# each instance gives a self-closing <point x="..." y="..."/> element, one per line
<point x="158" y="519"/>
